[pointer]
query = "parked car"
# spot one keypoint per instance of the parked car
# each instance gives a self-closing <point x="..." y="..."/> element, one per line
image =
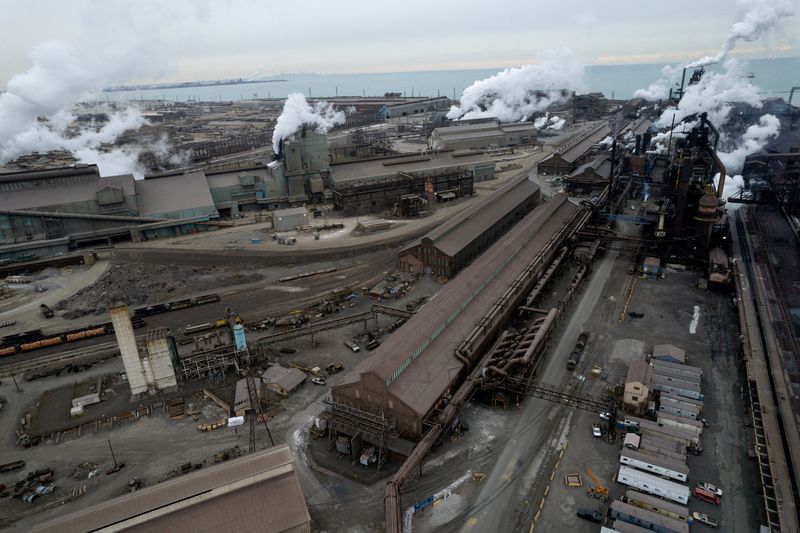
<point x="703" y="518"/>
<point x="710" y="488"/>
<point x="605" y="415"/>
<point x="597" y="431"/>
<point x="590" y="515"/>
<point x="319" y="381"/>
<point x="353" y="346"/>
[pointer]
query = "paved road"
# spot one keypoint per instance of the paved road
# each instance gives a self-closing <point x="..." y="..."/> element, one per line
<point x="506" y="486"/>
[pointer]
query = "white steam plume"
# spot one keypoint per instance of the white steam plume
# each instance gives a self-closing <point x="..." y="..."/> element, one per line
<point x="36" y="105"/>
<point x="659" y="89"/>
<point x="517" y="93"/>
<point x="297" y="112"/>
<point x="759" y="17"/>
<point x="752" y="141"/>
<point x="714" y="94"/>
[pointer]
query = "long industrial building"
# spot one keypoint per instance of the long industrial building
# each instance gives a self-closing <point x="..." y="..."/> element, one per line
<point x="453" y="245"/>
<point x="257" y="492"/>
<point x="574" y="152"/>
<point x="482" y="135"/>
<point x="411" y="372"/>
<point x="405" y="184"/>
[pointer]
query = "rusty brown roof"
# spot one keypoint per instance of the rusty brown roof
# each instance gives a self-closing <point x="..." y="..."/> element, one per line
<point x="430" y="374"/>
<point x="255" y="493"/>
<point x="469" y="224"/>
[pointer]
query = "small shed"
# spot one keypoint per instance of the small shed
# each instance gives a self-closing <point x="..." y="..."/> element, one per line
<point x="289" y="219"/>
<point x="283" y="380"/>
<point x="669" y="353"/>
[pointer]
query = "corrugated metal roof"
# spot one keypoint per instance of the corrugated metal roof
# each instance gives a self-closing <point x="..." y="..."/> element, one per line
<point x="168" y="194"/>
<point x="42" y="197"/>
<point x="669" y="350"/>
<point x="650" y="516"/>
<point x="257" y="492"/>
<point x="286" y="378"/>
<point x="26" y="175"/>
<point x="431" y="373"/>
<point x="657" y="502"/>
<point x="376" y="168"/>
<point x="639" y="371"/>
<point x="458" y="232"/>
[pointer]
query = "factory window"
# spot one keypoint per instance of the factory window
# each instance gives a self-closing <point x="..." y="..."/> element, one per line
<point x="358" y="394"/>
<point x="634" y="398"/>
<point x="391" y="404"/>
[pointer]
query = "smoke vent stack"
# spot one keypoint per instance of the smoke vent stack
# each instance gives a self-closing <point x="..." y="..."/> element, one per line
<point x="123" y="330"/>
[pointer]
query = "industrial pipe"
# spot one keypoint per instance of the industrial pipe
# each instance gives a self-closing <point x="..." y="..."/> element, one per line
<point x="721" y="167"/>
<point x="56" y="214"/>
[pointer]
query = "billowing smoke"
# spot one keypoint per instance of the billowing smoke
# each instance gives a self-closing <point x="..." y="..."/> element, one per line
<point x="548" y="122"/>
<point x="714" y="94"/>
<point x="34" y="110"/>
<point x="759" y="16"/>
<point x="659" y="89"/>
<point x="752" y="141"/>
<point x="515" y="94"/>
<point x="298" y="113"/>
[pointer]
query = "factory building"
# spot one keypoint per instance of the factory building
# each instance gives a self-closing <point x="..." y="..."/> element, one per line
<point x="410" y="374"/>
<point x="257" y="492"/>
<point x="413" y="106"/>
<point x="456" y="243"/>
<point x="489" y="134"/>
<point x="405" y="185"/>
<point x="302" y="170"/>
<point x="574" y="152"/>
<point x="589" y="176"/>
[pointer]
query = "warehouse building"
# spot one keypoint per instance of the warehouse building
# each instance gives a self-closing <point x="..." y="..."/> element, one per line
<point x="406" y="185"/>
<point x="407" y="377"/>
<point x="590" y="176"/>
<point x="257" y="492"/>
<point x="489" y="134"/>
<point x="574" y="152"/>
<point x="456" y="243"/>
<point x="412" y="106"/>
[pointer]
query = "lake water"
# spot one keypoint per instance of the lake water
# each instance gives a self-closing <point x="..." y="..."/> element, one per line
<point x="772" y="75"/>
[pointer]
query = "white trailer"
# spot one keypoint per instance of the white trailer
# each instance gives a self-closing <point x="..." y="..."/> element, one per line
<point x="684" y="424"/>
<point x="670" y="405"/>
<point x="653" y="484"/>
<point x="663" y="466"/>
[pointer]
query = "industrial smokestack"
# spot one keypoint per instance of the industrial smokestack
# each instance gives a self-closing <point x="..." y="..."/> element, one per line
<point x="297" y="112"/>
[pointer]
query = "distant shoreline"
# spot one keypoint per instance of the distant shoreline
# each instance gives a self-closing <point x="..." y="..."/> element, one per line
<point x="185" y="84"/>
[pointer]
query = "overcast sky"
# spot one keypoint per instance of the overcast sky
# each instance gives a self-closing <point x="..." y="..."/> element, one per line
<point x="188" y="40"/>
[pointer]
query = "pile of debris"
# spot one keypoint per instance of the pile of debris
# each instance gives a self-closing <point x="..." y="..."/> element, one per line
<point x="85" y="470"/>
<point x="35" y="484"/>
<point x="135" y="283"/>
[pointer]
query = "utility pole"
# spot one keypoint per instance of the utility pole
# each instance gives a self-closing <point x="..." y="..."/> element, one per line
<point x="15" y="382"/>
<point x="112" y="453"/>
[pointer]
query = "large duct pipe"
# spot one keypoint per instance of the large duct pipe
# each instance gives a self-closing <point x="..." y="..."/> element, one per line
<point x="721" y="167"/>
<point x="56" y="214"/>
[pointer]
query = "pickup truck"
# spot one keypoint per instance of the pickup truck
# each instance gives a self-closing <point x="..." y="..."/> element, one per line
<point x="710" y="488"/>
<point x="703" y="518"/>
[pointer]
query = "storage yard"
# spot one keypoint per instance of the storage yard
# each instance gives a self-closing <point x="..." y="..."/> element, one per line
<point x="405" y="323"/>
